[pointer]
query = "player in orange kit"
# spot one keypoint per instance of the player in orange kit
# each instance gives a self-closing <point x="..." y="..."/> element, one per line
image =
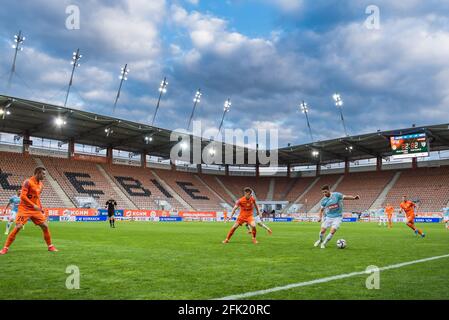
<point x="389" y="211"/>
<point x="408" y="207"/>
<point x="30" y="207"/>
<point x="247" y="204"/>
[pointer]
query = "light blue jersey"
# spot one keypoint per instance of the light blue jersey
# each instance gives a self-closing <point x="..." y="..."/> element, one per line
<point x="446" y="212"/>
<point x="333" y="205"/>
<point x="14" y="201"/>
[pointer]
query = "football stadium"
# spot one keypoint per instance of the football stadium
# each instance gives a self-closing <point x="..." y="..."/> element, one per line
<point x="98" y="203"/>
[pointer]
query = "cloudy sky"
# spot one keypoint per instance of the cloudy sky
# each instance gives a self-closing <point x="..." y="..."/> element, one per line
<point x="266" y="56"/>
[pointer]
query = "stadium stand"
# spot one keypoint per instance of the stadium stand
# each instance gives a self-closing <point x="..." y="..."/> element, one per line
<point x="211" y="181"/>
<point x="313" y="196"/>
<point x="15" y="168"/>
<point x="368" y="184"/>
<point x="205" y="192"/>
<point x="236" y="184"/>
<point x="141" y="187"/>
<point x="81" y="179"/>
<point x="428" y="185"/>
<point x="191" y="190"/>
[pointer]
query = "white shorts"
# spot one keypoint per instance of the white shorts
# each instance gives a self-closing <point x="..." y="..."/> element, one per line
<point x="13" y="215"/>
<point x="257" y="219"/>
<point x="331" y="223"/>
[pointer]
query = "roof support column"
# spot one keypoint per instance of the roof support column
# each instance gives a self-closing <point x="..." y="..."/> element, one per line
<point x="227" y="170"/>
<point x="318" y="170"/>
<point x="379" y="163"/>
<point x="109" y="156"/>
<point x="289" y="170"/>
<point x="71" y="150"/>
<point x="415" y="163"/>
<point x="347" y="166"/>
<point x="26" y="143"/>
<point x="143" y="159"/>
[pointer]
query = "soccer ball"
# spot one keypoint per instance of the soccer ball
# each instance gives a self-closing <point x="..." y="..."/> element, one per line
<point x="341" y="244"/>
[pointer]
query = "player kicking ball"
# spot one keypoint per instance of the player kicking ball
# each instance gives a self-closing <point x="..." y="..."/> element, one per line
<point x="332" y="208"/>
<point x="30" y="207"/>
<point x="408" y="208"/>
<point x="247" y="204"/>
<point x="14" y="203"/>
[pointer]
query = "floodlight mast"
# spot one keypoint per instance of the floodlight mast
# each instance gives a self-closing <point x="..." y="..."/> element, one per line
<point x="226" y="108"/>
<point x="162" y="90"/>
<point x="18" y="39"/>
<point x="305" y="109"/>
<point x="123" y="77"/>
<point x="196" y="100"/>
<point x="75" y="62"/>
<point x="339" y="104"/>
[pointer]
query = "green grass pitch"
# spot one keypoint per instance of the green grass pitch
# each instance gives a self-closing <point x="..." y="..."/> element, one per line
<point x="143" y="260"/>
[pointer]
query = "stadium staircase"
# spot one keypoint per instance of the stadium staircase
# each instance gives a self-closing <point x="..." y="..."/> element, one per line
<point x="59" y="191"/>
<point x="210" y="189"/>
<point x="127" y="202"/>
<point x="172" y="192"/>
<point x="271" y="187"/>
<point x="302" y="194"/>
<point x="233" y="197"/>
<point x="378" y="203"/>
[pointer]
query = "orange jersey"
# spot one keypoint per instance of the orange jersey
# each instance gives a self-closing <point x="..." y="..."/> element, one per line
<point x="409" y="208"/>
<point x="389" y="210"/>
<point x="30" y="195"/>
<point x="246" y="207"/>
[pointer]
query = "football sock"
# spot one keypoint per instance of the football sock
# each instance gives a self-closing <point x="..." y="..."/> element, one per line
<point x="11" y="237"/>
<point x="328" y="238"/>
<point x="230" y="233"/>
<point x="254" y="231"/>
<point x="321" y="236"/>
<point x="8" y="225"/>
<point x="47" y="236"/>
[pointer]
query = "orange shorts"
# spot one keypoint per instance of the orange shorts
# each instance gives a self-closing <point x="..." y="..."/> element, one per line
<point x="411" y="219"/>
<point x="38" y="218"/>
<point x="248" y="220"/>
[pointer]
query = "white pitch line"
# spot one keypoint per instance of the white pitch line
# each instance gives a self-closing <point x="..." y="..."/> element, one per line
<point x="327" y="279"/>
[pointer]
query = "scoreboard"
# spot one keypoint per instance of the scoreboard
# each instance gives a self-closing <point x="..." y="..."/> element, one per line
<point x="410" y="146"/>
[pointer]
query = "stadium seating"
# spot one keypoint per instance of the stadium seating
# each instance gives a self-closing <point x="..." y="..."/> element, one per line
<point x="211" y="181"/>
<point x="289" y="189"/>
<point x="191" y="190"/>
<point x="428" y="185"/>
<point x="368" y="185"/>
<point x="141" y="187"/>
<point x="314" y="195"/>
<point x="81" y="179"/>
<point x="204" y="192"/>
<point x="14" y="169"/>
<point x="235" y="184"/>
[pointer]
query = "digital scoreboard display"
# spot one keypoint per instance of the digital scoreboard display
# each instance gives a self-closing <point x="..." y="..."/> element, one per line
<point x="410" y="146"/>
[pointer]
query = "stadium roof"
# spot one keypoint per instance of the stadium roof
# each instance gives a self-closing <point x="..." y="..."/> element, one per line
<point x="88" y="128"/>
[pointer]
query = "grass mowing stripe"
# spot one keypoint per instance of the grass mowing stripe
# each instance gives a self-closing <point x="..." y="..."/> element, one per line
<point x="327" y="279"/>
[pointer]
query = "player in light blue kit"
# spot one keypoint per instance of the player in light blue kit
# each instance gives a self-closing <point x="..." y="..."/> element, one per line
<point x="446" y="217"/>
<point x="14" y="203"/>
<point x="332" y="208"/>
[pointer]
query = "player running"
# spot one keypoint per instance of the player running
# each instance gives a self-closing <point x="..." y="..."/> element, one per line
<point x="111" y="204"/>
<point x="446" y="217"/>
<point x="332" y="208"/>
<point x="14" y="203"/>
<point x="389" y="210"/>
<point x="408" y="207"/>
<point x="257" y="219"/>
<point x="382" y="217"/>
<point x="30" y="207"/>
<point x="247" y="204"/>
